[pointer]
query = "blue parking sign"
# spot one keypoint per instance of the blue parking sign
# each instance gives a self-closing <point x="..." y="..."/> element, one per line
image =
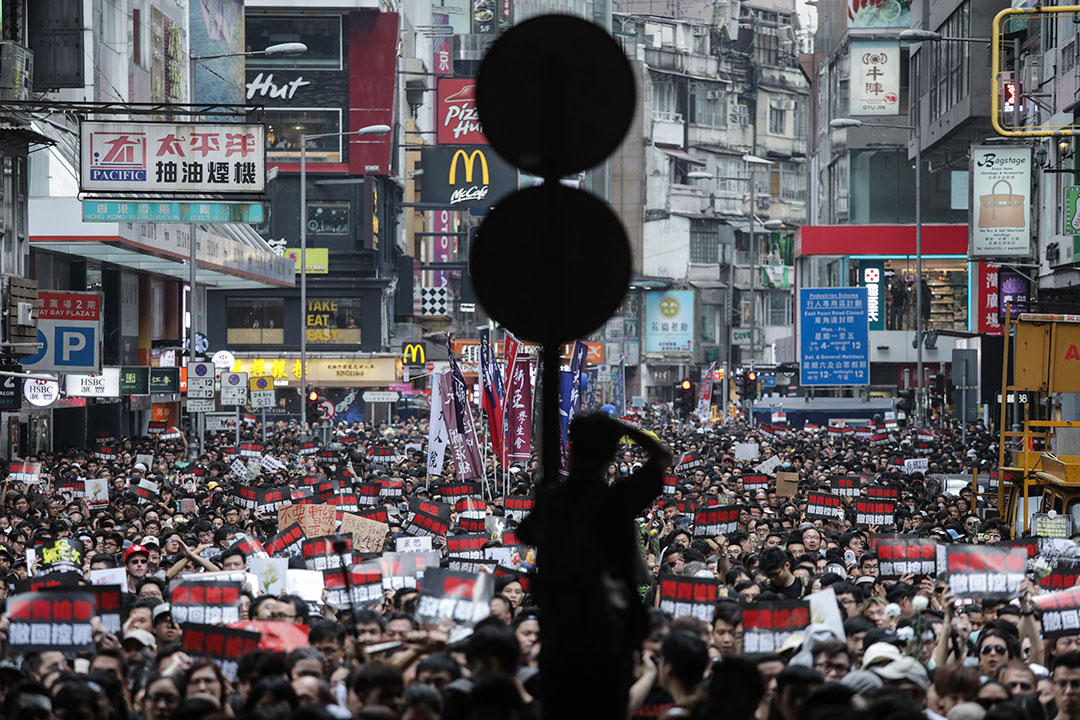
<point x="834" y="347"/>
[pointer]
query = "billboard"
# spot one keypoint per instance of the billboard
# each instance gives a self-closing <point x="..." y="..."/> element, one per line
<point x="1000" y="201"/>
<point x="458" y="118"/>
<point x="879" y="13"/>
<point x="216" y="27"/>
<point x="465" y="177"/>
<point x="669" y="321"/>
<point x="834" y="346"/>
<point x="875" y="77"/>
<point x="69" y="330"/>
<point x="152" y="157"/>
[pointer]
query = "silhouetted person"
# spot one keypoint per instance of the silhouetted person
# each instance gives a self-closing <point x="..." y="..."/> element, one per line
<point x="589" y="570"/>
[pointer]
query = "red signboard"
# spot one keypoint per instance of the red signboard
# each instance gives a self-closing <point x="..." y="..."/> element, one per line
<point x="458" y="118"/>
<point x="373" y="45"/>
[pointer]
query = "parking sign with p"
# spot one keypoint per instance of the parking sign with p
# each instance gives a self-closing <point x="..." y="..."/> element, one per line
<point x="69" y="330"/>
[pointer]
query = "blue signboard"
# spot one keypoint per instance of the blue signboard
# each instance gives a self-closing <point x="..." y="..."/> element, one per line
<point x="167" y="211"/>
<point x="834" y="346"/>
<point x="669" y="321"/>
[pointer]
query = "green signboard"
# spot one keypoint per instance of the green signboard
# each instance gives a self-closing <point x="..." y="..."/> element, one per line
<point x="135" y="381"/>
<point x="159" y="211"/>
<point x="164" y="380"/>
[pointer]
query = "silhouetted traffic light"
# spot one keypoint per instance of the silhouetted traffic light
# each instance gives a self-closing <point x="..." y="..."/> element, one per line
<point x="684" y="396"/>
<point x="312" y="399"/>
<point x="906" y="404"/>
<point x="750" y="386"/>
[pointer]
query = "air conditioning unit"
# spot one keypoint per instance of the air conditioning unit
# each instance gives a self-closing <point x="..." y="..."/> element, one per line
<point x="714" y="94"/>
<point x="700" y="30"/>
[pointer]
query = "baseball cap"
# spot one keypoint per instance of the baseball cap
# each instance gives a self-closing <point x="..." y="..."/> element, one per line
<point x="162" y="609"/>
<point x="905" y="668"/>
<point x="150" y="540"/>
<point x="862" y="681"/>
<point x="142" y="637"/>
<point x="136" y="550"/>
<point x="880" y="653"/>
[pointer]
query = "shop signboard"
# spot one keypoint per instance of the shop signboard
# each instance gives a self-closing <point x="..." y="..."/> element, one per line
<point x="134" y="381"/>
<point x="161" y="157"/>
<point x="834" y="344"/>
<point x="669" y="321"/>
<point x="465" y="176"/>
<point x="159" y="211"/>
<point x="104" y="385"/>
<point x="1000" y="201"/>
<point x="875" y="77"/>
<point x="872" y="277"/>
<point x="69" y="330"/>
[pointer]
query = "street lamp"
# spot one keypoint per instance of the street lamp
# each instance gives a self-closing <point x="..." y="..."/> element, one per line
<point x="914" y="35"/>
<point x="754" y="162"/>
<point x="843" y="123"/>
<point x="368" y="130"/>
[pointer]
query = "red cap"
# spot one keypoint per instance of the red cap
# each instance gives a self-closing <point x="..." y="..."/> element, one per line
<point x="136" y="550"/>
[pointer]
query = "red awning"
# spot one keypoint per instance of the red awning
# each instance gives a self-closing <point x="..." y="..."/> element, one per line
<point x="678" y="153"/>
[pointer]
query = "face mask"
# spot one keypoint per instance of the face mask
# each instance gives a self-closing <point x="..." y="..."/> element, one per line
<point x="623" y="469"/>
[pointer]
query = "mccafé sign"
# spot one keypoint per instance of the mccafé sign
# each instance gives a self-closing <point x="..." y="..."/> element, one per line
<point x="465" y="177"/>
<point x="413" y="354"/>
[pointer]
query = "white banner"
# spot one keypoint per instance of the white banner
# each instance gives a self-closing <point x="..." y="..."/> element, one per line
<point x="1000" y="225"/>
<point x="172" y="158"/>
<point x="875" y="77"/>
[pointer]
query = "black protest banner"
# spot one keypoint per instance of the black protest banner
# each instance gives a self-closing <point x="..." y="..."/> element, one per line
<point x="1061" y="577"/>
<point x="109" y="607"/>
<point x="689" y="461"/>
<point x="864" y="432"/>
<point x="251" y="450"/>
<point x="427" y="518"/>
<point x="822" y="505"/>
<point x="1029" y="544"/>
<point x="363" y="586"/>
<point x="464" y="598"/>
<point x="753" y="483"/>
<point x="883" y="492"/>
<point x="717" y="520"/>
<point x="62" y="555"/>
<point x="226" y="645"/>
<point x="451" y="492"/>
<point x="518" y="506"/>
<point x="367" y="494"/>
<point x="272" y="499"/>
<point x="52" y="620"/>
<point x="471" y="514"/>
<point x="1060" y="613"/>
<point x="376" y="514"/>
<point x="156" y="427"/>
<point x="146" y="491"/>
<point x="105" y="454"/>
<point x="670" y="481"/>
<point x="319" y="552"/>
<point x="286" y="542"/>
<point x="879" y="439"/>
<point x="49" y="582"/>
<point x="681" y="595"/>
<point x="399" y="569"/>
<point x="984" y="572"/>
<point x="903" y="554"/>
<point x="393" y="488"/>
<point x="320" y="487"/>
<point x="210" y="603"/>
<point x="27" y="473"/>
<point x="71" y="486"/>
<point x="309" y="448"/>
<point x="469" y="547"/>
<point x="248" y="496"/>
<point x="767" y="626"/>
<point x="846" y="485"/>
<point x="875" y="512"/>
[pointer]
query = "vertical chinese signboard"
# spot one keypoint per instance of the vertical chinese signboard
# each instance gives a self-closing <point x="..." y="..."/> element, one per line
<point x="875" y="77"/>
<point x="133" y="157"/>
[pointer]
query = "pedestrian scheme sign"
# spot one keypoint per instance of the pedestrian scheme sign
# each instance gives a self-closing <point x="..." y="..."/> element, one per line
<point x="834" y="347"/>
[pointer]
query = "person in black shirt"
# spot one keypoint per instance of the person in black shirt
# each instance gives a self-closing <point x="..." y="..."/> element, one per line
<point x="776" y="564"/>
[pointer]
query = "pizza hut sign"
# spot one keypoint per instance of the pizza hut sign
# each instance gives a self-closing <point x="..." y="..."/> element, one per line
<point x="459" y="120"/>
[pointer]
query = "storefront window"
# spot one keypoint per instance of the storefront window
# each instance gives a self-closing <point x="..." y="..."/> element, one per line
<point x="945" y="299"/>
<point x="322" y="35"/>
<point x="328" y="218"/>
<point x="334" y="320"/>
<point x="255" y="320"/>
<point x="284" y="128"/>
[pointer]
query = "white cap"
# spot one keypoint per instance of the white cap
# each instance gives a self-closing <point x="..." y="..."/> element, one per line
<point x="880" y="653"/>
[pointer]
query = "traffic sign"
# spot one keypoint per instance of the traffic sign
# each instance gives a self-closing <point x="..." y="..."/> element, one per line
<point x="326" y="410"/>
<point x="198" y="405"/>
<point x="69" y="332"/>
<point x="219" y="422"/>
<point x="234" y="388"/>
<point x="379" y="396"/>
<point x="262" y="393"/>
<point x="200" y="380"/>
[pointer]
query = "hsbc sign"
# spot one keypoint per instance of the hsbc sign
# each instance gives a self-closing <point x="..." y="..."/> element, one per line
<point x="459" y="120"/>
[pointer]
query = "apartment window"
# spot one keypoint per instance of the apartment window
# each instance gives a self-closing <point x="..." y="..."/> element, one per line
<point x="779" y="310"/>
<point x="255" y="320"/>
<point x="948" y="72"/>
<point x="788" y="181"/>
<point x="701" y="40"/>
<point x="709" y="323"/>
<point x="708" y="104"/>
<point x="663" y="97"/>
<point x="284" y="128"/>
<point x="802" y="118"/>
<point x="1068" y="56"/>
<point x="321" y="34"/>
<point x="729" y="170"/>
<point x="704" y="241"/>
<point x="777" y="121"/>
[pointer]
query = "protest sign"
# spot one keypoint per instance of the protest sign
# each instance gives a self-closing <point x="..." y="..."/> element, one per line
<point x="746" y="451"/>
<point x="1051" y="526"/>
<point x="71" y="486"/>
<point x="1060" y="613"/>
<point x="146" y="491"/>
<point x="378" y="514"/>
<point x="471" y="514"/>
<point x="327" y="552"/>
<point x="451" y="492"/>
<point x="270" y="573"/>
<point x="883" y="492"/>
<point x="108" y="607"/>
<point x="681" y="595"/>
<point x="768" y="625"/>
<point x="314" y="520"/>
<point x="225" y="645"/>
<point x="368" y="493"/>
<point x="306" y="584"/>
<point x="469" y="547"/>
<point x="427" y="518"/>
<point x="362" y="588"/>
<point x="713" y="521"/>
<point x="286" y="542"/>
<point x="518" y="506"/>
<point x="109" y="576"/>
<point x="846" y="485"/>
<point x="48" y="582"/>
<point x="825" y="610"/>
<point x="902" y="554"/>
<point x="248" y="497"/>
<point x="769" y="466"/>
<point x="689" y="461"/>
<point x="341" y="501"/>
<point x="399" y="569"/>
<point x="97" y="493"/>
<point x="875" y="512"/>
<point x="413" y="544"/>
<point x="464" y="598"/>
<point x="787" y="484"/>
<point x="823" y="505"/>
<point x="393" y="488"/>
<point x="205" y="602"/>
<point x="62" y="555"/>
<point x="669" y="483"/>
<point x="982" y="572"/>
<point x="51" y="620"/>
<point x="269" y="500"/>
<point x="753" y="483"/>
<point x="1062" y="576"/>
<point x="367" y="535"/>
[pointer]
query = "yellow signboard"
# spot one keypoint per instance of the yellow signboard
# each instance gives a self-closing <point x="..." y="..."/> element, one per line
<point x="318" y="259"/>
<point x="354" y="371"/>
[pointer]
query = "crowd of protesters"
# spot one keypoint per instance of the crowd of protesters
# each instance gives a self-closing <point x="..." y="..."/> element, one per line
<point x="900" y="648"/>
